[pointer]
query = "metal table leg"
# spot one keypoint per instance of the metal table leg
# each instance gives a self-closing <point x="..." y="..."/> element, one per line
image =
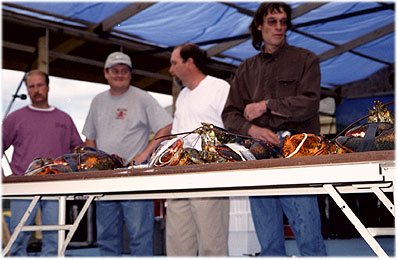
<point x="383" y="198"/>
<point x="372" y="242"/>
<point x="61" y="222"/>
<point x="76" y="224"/>
<point x="21" y="224"/>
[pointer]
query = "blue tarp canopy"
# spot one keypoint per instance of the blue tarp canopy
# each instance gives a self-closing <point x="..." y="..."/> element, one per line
<point x="352" y="39"/>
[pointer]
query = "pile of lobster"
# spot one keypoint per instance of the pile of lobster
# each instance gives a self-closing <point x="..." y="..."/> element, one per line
<point x="81" y="159"/>
<point x="219" y="145"/>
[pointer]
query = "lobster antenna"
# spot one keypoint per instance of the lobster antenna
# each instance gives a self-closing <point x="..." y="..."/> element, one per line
<point x="174" y="135"/>
<point x="350" y="125"/>
<point x="388" y="103"/>
<point x="197" y="140"/>
<point x="360" y="119"/>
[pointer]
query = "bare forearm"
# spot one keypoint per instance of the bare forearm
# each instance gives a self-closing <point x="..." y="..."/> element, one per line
<point x="264" y="134"/>
<point x="157" y="139"/>
<point x="91" y="143"/>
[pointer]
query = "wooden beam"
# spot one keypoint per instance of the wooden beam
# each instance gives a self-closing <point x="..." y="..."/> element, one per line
<point x="357" y="42"/>
<point x="43" y="61"/>
<point x="346" y="15"/>
<point x="101" y="64"/>
<point x="19" y="47"/>
<point x="40" y="12"/>
<point x="115" y="19"/>
<point x="149" y="81"/>
<point x="219" y="48"/>
<point x="67" y="46"/>
<point x="68" y="57"/>
<point x="90" y="36"/>
<point x="239" y="9"/>
<point x="305" y="8"/>
<point x="298" y="11"/>
<point x="74" y="32"/>
<point x="105" y="25"/>
<point x="64" y="56"/>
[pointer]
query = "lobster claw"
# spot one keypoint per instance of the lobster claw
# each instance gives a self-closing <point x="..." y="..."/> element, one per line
<point x="167" y="154"/>
<point x="304" y="144"/>
<point x="81" y="159"/>
<point x="37" y="166"/>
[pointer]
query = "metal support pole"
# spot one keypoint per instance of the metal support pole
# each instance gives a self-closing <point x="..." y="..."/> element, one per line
<point x="61" y="222"/>
<point x="355" y="220"/>
<point x="76" y="223"/>
<point x="21" y="224"/>
<point x="383" y="198"/>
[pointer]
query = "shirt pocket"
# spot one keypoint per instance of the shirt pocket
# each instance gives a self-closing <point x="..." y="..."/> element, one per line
<point x="287" y="86"/>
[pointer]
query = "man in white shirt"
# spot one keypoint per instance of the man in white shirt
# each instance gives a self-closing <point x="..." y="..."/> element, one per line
<point x="196" y="226"/>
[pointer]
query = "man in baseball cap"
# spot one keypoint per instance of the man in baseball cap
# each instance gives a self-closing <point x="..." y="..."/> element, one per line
<point x="120" y="121"/>
<point x="117" y="58"/>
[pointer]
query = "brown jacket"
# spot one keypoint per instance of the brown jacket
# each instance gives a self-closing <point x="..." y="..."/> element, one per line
<point x="289" y="79"/>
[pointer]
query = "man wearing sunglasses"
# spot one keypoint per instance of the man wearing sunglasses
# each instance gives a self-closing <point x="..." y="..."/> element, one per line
<point x="274" y="91"/>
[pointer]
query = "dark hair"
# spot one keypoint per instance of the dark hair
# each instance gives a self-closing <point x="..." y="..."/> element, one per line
<point x="263" y="10"/>
<point x="37" y="72"/>
<point x="190" y="50"/>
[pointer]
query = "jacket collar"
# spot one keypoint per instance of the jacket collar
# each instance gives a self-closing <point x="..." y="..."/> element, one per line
<point x="277" y="53"/>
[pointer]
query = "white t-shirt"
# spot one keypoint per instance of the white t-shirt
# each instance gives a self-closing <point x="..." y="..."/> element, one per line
<point x="203" y="104"/>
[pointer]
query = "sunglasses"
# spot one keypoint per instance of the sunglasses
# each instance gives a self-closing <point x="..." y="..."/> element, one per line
<point x="273" y="22"/>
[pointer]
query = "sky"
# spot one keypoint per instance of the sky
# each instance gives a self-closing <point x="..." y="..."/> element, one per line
<point x="72" y="96"/>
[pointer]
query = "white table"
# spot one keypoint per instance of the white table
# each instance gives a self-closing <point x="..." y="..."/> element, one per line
<point x="369" y="172"/>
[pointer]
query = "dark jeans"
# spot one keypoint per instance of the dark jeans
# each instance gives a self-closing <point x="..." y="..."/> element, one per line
<point x="304" y="219"/>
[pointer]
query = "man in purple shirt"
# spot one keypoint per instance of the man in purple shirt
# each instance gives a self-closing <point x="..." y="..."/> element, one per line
<point x="37" y="130"/>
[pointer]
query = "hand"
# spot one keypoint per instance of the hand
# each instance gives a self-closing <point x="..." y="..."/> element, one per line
<point x="254" y="110"/>
<point x="138" y="159"/>
<point x="264" y="134"/>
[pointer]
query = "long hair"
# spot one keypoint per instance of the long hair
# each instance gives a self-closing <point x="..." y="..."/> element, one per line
<point x="263" y="10"/>
<point x="190" y="50"/>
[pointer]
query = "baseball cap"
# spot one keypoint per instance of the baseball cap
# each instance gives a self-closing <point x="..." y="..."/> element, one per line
<point x="117" y="58"/>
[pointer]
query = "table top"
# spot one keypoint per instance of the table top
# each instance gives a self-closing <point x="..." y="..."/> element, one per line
<point x="305" y="161"/>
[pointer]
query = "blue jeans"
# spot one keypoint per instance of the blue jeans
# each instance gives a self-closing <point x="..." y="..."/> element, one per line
<point x="304" y="219"/>
<point x="138" y="215"/>
<point x="49" y="216"/>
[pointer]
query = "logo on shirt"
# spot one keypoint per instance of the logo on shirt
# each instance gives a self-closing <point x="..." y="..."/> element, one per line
<point x="121" y="113"/>
<point x="61" y="125"/>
